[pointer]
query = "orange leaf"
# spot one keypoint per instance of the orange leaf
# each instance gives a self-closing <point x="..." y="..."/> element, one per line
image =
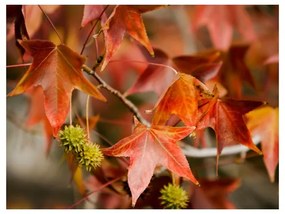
<point x="149" y="147"/>
<point x="263" y="122"/>
<point x="57" y="69"/>
<point x="125" y="19"/>
<point x="181" y="99"/>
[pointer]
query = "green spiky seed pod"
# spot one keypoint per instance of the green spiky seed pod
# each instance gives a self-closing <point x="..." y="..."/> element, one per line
<point x="72" y="138"/>
<point x="90" y="156"/>
<point x="173" y="197"/>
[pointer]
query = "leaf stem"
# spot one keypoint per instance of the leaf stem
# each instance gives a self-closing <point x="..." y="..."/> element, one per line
<point x="52" y="25"/>
<point x="118" y="94"/>
<point x="95" y="24"/>
<point x="70" y="111"/>
<point x="87" y="116"/>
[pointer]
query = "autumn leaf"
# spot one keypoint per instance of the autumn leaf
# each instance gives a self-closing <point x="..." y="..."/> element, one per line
<point x="235" y="72"/>
<point x="225" y="116"/>
<point x="222" y="21"/>
<point x="181" y="99"/>
<point x="57" y="69"/>
<point x="34" y="16"/>
<point x="92" y="12"/>
<point x="150" y="79"/>
<point x="214" y="194"/>
<point x="148" y="148"/>
<point x="263" y="123"/>
<point x="125" y="19"/>
<point x="37" y="115"/>
<point x="203" y="66"/>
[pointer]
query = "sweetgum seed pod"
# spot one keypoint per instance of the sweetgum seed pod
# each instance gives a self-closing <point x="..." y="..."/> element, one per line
<point x="173" y="197"/>
<point x="72" y="138"/>
<point x="91" y="156"/>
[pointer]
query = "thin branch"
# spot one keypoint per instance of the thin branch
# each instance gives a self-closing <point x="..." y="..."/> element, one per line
<point x="90" y="193"/>
<point x="149" y="63"/>
<point x="52" y="25"/>
<point x="118" y="94"/>
<point x="19" y="65"/>
<point x="193" y="152"/>
<point x="92" y="29"/>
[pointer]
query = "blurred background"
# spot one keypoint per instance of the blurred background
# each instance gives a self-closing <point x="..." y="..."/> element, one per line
<point x="40" y="179"/>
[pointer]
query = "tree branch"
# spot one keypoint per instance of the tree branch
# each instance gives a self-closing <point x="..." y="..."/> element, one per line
<point x="118" y="94"/>
<point x="193" y="152"/>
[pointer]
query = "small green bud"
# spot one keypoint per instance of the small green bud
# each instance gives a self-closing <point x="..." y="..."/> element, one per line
<point x="173" y="197"/>
<point x="90" y="156"/>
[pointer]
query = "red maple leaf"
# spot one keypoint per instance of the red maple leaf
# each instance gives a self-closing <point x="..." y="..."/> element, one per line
<point x="203" y="66"/>
<point x="125" y="19"/>
<point x="263" y="123"/>
<point x="234" y="71"/>
<point x="148" y="148"/>
<point x="226" y="117"/>
<point x="222" y="21"/>
<point x="214" y="194"/>
<point x="57" y="69"/>
<point x="92" y="12"/>
<point x="150" y="79"/>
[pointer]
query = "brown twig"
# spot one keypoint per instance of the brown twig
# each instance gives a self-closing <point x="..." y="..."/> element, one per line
<point x="118" y="94"/>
